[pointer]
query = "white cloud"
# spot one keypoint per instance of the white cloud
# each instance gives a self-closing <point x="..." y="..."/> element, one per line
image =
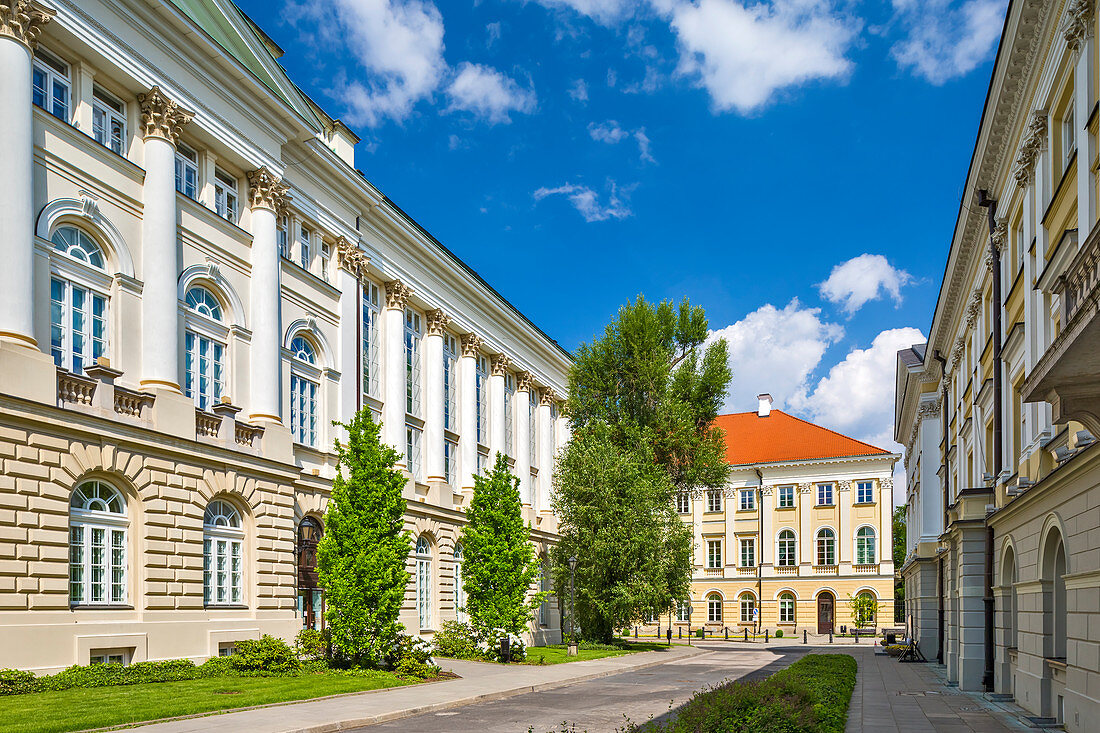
<point x="744" y="55"/>
<point x="578" y="91"/>
<point x="488" y="93"/>
<point x="587" y="201"/>
<point x="607" y="132"/>
<point x="643" y="146"/>
<point x="861" y="279"/>
<point x="492" y="31"/>
<point x="775" y="350"/>
<point x="602" y="11"/>
<point x="945" y="38"/>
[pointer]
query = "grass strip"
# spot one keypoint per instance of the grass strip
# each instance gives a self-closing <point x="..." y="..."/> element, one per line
<point x="556" y="653"/>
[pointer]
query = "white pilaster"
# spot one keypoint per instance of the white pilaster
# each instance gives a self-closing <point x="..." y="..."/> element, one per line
<point x="522" y="434"/>
<point x="433" y="395"/>
<point x="393" y="367"/>
<point x="467" y="411"/>
<point x="1084" y="80"/>
<point x="351" y="263"/>
<point x="546" y="449"/>
<point x="496" y="407"/>
<point x="267" y="195"/>
<point x="162" y="120"/>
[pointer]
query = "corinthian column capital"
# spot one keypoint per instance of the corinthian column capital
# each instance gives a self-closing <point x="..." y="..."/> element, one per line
<point x="525" y="382"/>
<point x="23" y="20"/>
<point x="161" y="117"/>
<point x="397" y="295"/>
<point x="437" y="322"/>
<point x="548" y="397"/>
<point x="500" y="365"/>
<point x="266" y="190"/>
<point x="471" y="343"/>
<point x="350" y="258"/>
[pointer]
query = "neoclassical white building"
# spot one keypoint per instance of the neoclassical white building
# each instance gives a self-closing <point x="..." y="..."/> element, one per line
<point x="195" y="283"/>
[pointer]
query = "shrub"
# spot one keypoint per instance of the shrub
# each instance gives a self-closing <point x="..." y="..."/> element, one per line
<point x="456" y="640"/>
<point x="779" y="633"/>
<point x="700" y="634"/>
<point x="17" y="682"/>
<point x="411" y="667"/>
<point x="311" y="644"/>
<point x="265" y="656"/>
<point x="489" y="646"/>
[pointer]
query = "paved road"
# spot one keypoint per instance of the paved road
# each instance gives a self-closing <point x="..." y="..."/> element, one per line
<point x="598" y="706"/>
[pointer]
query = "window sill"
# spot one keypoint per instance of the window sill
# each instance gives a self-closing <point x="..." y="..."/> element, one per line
<point x="224" y="607"/>
<point x="712" y="511"/>
<point x="746" y="511"/>
<point x="825" y="506"/>
<point x="863" y="503"/>
<point x="100" y="607"/>
<point x="786" y="508"/>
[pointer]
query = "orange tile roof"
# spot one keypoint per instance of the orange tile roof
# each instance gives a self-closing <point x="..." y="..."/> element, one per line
<point x="781" y="437"/>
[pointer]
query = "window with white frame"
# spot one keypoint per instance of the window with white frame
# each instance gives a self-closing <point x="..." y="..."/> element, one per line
<point x="413" y="331"/>
<point x="108" y="121"/>
<point x="714" y="553"/>
<point x="865" y="492"/>
<point x="682" y="608"/>
<point x="99" y="656"/>
<point x="683" y="502"/>
<point x="450" y="382"/>
<point x="786" y="549"/>
<point x="305" y="244"/>
<point x="481" y="387"/>
<point x="450" y="463"/>
<point x="748" y="553"/>
<point x="714" y="500"/>
<point x="372" y="314"/>
<point x="78" y="300"/>
<point x="303" y="392"/>
<point x="482" y="462"/>
<point x="51" y="84"/>
<point x="826" y="547"/>
<point x="225" y="195"/>
<point x="412" y="450"/>
<point x="786" y="608"/>
<point x="509" y="417"/>
<point x="865" y="546"/>
<point x="204" y="350"/>
<point x="1069" y="134"/>
<point x="786" y="497"/>
<point x="460" y="591"/>
<point x="714" y="608"/>
<point x="824" y="494"/>
<point x="424" y="582"/>
<point x="98" y="526"/>
<point x="748" y="605"/>
<point x="748" y="500"/>
<point x="532" y="427"/>
<point x="282" y="233"/>
<point x="187" y="171"/>
<point x="326" y="257"/>
<point x="222" y="555"/>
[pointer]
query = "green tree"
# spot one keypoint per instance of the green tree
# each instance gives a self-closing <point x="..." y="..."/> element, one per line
<point x="362" y="553"/>
<point x="864" y="609"/>
<point x="899" y="560"/>
<point x="500" y="563"/>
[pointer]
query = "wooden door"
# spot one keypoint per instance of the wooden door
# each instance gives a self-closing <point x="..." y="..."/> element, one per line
<point x="825" y="603"/>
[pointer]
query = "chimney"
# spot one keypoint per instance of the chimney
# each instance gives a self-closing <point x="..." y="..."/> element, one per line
<point x="765" y="407"/>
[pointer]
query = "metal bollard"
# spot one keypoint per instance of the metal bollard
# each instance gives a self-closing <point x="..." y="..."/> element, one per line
<point x="765" y="636"/>
<point x="679" y="632"/>
<point x="635" y="632"/>
<point x="746" y="634"/>
<point x="855" y="633"/>
<point x="830" y="636"/>
<point x="658" y="631"/>
<point x="803" y="636"/>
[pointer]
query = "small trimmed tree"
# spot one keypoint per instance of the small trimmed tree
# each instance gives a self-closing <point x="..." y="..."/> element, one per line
<point x="362" y="553"/>
<point x="500" y="563"/>
<point x="864" y="609"/>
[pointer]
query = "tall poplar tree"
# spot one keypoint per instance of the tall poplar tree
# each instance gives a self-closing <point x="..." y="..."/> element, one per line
<point x="500" y="563"/>
<point x="642" y="403"/>
<point x="362" y="553"/>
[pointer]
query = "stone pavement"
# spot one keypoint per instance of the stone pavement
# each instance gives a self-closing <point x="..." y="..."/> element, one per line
<point x="480" y="682"/>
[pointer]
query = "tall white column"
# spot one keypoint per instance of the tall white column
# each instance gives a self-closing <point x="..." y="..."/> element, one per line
<point x="393" y="367"/>
<point x="546" y="449"/>
<point x="433" y="395"/>
<point x="20" y="24"/>
<point x="266" y="195"/>
<point x="522" y="434"/>
<point x="161" y="120"/>
<point x="467" y="412"/>
<point x="1084" y="79"/>
<point x="496" y="408"/>
<point x="351" y="268"/>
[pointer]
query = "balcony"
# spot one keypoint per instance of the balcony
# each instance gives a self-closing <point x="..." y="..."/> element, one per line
<point x="865" y="569"/>
<point x="712" y="572"/>
<point x="1067" y="375"/>
<point x="826" y="570"/>
<point x="786" y="570"/>
<point x="747" y="571"/>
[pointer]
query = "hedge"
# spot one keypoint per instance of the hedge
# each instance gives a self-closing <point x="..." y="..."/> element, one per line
<point x="810" y="696"/>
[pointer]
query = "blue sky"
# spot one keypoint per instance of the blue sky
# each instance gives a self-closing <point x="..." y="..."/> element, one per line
<point x="793" y="166"/>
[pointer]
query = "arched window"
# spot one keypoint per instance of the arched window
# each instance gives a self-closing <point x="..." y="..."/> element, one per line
<point x="826" y="547"/>
<point x="787" y="548"/>
<point x="460" y="591"/>
<point x="424" y="582"/>
<point x="714" y="608"/>
<point x="1053" y="571"/>
<point x="865" y="546"/>
<point x="303" y="394"/>
<point x="310" y="595"/>
<point x="748" y="605"/>
<point x="1008" y="580"/>
<point x="78" y="301"/>
<point x="97" y="545"/>
<point x="786" y="608"/>
<point x="204" y="346"/>
<point x="222" y="555"/>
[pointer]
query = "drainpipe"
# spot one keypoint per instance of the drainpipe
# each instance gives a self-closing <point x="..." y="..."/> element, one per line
<point x="760" y="532"/>
<point x="998" y="427"/>
<point x="946" y="492"/>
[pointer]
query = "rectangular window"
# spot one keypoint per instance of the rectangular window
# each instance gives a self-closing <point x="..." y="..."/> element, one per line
<point x="78" y="325"/>
<point x="450" y="462"/>
<point x="865" y="492"/>
<point x="450" y="382"/>
<point x="50" y="84"/>
<point x="786" y="610"/>
<point x="97" y="564"/>
<point x="187" y="171"/>
<point x="786" y="497"/>
<point x="372" y="313"/>
<point x="683" y="502"/>
<point x="282" y="229"/>
<point x="326" y="256"/>
<point x="412" y="362"/>
<point x="714" y="553"/>
<point x="1069" y="134"/>
<point x="509" y="418"/>
<point x="748" y="553"/>
<point x="303" y="410"/>
<point x="204" y="368"/>
<point x="481" y="386"/>
<point x="786" y="548"/>
<point x="748" y="500"/>
<point x="532" y="427"/>
<point x="482" y="462"/>
<point x="824" y="494"/>
<point x="748" y="605"/>
<point x="225" y="195"/>
<point x="108" y="121"/>
<point x="305" y="254"/>
<point x="106" y="658"/>
<point x="412" y="450"/>
<point x="682" y="610"/>
<point x="222" y="571"/>
<point x="714" y="500"/>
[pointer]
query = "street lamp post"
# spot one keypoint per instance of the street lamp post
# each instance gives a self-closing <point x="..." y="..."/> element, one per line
<point x="571" y="650"/>
<point x="689" y="623"/>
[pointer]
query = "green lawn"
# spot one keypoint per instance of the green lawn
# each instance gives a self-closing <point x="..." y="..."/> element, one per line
<point x="98" y="707"/>
<point x="556" y="654"/>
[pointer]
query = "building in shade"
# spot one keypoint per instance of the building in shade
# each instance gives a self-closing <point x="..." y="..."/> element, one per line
<point x="196" y="284"/>
<point x="803" y="526"/>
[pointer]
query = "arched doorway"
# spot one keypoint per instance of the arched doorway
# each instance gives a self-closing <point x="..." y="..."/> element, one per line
<point x="311" y="597"/>
<point x="826" y="608"/>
